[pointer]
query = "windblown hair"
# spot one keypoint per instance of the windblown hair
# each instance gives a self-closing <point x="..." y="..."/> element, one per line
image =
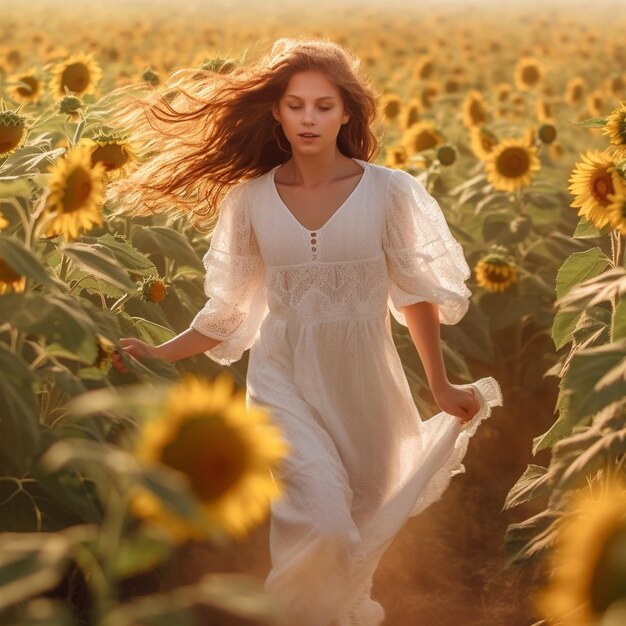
<point x="191" y="155"/>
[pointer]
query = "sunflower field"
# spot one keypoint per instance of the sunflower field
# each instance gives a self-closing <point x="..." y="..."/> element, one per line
<point x="142" y="498"/>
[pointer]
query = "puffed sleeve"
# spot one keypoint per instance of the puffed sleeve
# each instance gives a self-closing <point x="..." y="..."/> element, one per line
<point x="424" y="261"/>
<point x="234" y="282"/>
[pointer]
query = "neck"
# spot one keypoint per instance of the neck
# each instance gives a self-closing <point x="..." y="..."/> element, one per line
<point x="316" y="169"/>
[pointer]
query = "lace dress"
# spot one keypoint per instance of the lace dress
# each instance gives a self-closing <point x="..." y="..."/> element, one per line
<point x="314" y="308"/>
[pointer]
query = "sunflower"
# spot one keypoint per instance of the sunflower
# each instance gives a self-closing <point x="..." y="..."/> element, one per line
<point x="511" y="164"/>
<point x="113" y="150"/>
<point x="496" y="271"/>
<point x="391" y="106"/>
<point x="588" y="569"/>
<point x="25" y="87"/>
<point x="446" y="154"/>
<point x="529" y="73"/>
<point x="575" y="90"/>
<point x="474" y="109"/>
<point x="411" y="113"/>
<point x="424" y="67"/>
<point x="3" y="222"/>
<point x="76" y="194"/>
<point x="616" y="86"/>
<point x="225" y="451"/>
<point x="592" y="182"/>
<point x="503" y="91"/>
<point x="543" y="111"/>
<point x="10" y="280"/>
<point x="615" y="126"/>
<point x="78" y="74"/>
<point x="397" y="157"/>
<point x="616" y="209"/>
<point x="482" y="142"/>
<point x="596" y="103"/>
<point x="12" y="132"/>
<point x="547" y="133"/>
<point x="153" y="289"/>
<point x="422" y="136"/>
<point x="428" y="94"/>
<point x="105" y="352"/>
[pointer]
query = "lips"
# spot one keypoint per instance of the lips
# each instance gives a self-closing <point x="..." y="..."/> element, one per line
<point x="307" y="135"/>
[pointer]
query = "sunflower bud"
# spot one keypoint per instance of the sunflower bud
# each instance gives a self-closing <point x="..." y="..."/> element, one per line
<point x="150" y="76"/>
<point x="70" y="104"/>
<point x="547" y="133"/>
<point x="446" y="154"/>
<point x="153" y="289"/>
<point x="12" y="132"/>
<point x="219" y="65"/>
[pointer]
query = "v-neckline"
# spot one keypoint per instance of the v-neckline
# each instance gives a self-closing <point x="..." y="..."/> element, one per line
<point x="363" y="164"/>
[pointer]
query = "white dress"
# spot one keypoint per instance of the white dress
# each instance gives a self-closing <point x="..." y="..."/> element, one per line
<point x="316" y="317"/>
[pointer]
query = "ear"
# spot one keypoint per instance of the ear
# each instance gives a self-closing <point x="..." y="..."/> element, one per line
<point x="275" y="113"/>
<point x="345" y="119"/>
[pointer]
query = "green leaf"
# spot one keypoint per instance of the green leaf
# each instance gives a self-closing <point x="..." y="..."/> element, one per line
<point x="140" y="553"/>
<point x="586" y="229"/>
<point x="618" y="320"/>
<point x="532" y="537"/>
<point x="592" y="122"/>
<point x="151" y="332"/>
<point x="533" y="483"/>
<point x="25" y="263"/>
<point x="168" y="243"/>
<point x="596" y="377"/>
<point x="19" y="411"/>
<point x="96" y="260"/>
<point x="130" y="259"/>
<point x="579" y="267"/>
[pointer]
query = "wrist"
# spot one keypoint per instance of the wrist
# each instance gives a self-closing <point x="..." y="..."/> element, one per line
<point x="439" y="385"/>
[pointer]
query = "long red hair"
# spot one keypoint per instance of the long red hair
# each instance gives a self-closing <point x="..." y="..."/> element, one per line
<point x="213" y="129"/>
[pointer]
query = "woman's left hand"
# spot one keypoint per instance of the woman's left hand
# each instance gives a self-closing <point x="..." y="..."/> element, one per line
<point x="461" y="402"/>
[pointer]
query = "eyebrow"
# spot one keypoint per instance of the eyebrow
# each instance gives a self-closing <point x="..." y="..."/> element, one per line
<point x="293" y="95"/>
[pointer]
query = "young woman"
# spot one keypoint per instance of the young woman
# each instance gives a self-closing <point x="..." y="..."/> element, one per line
<point x="314" y="247"/>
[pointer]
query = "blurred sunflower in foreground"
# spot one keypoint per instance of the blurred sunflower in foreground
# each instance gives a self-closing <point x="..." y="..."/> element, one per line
<point x="496" y="271"/>
<point x="615" y="128"/>
<point x="10" y="280"/>
<point x="76" y="194"/>
<point x="511" y="164"/>
<point x="593" y="183"/>
<point x="224" y="450"/>
<point x="588" y="581"/>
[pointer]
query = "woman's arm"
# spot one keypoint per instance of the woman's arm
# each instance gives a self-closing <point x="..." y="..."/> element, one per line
<point x="188" y="343"/>
<point x="422" y="320"/>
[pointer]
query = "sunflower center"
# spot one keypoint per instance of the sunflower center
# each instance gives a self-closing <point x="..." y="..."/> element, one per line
<point x="77" y="189"/>
<point x="75" y="77"/>
<point x="31" y="86"/>
<point x="7" y="274"/>
<point x="425" y="140"/>
<point x="495" y="275"/>
<point x="530" y="74"/>
<point x="602" y="186"/>
<point x="392" y="109"/>
<point x="9" y="137"/>
<point x="211" y="455"/>
<point x="412" y="117"/>
<point x="112" y="156"/>
<point x="513" y="162"/>
<point x="476" y="112"/>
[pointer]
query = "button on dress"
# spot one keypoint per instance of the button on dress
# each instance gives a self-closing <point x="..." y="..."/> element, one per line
<point x="314" y="307"/>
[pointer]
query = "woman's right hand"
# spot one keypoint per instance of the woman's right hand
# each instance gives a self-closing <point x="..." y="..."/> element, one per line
<point x="135" y="348"/>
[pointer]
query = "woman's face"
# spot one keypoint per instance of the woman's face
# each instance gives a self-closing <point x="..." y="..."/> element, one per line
<point x="311" y="112"/>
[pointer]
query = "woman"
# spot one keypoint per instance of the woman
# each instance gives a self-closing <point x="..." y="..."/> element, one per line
<point x="314" y="246"/>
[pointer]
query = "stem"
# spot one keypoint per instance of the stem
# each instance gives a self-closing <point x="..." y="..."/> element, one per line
<point x="120" y="301"/>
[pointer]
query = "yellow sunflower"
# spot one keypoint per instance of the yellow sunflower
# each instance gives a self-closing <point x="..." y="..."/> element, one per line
<point x="503" y="91"/>
<point x="482" y="142"/>
<point x="496" y="271"/>
<point x="511" y="164"/>
<point x="428" y="94"/>
<point x="411" y="113"/>
<point x="616" y="86"/>
<point x="529" y="73"/>
<point x="588" y="576"/>
<point x="3" y="222"/>
<point x="225" y="451"/>
<point x="78" y="74"/>
<point x="424" y="67"/>
<point x="10" y="280"/>
<point x="397" y="157"/>
<point x="76" y="194"/>
<point x="12" y="132"/>
<point x="575" y="90"/>
<point x="592" y="182"/>
<point x="422" y="136"/>
<point x="114" y="151"/>
<point x="391" y="106"/>
<point x="474" y="109"/>
<point x="615" y="126"/>
<point x="596" y="103"/>
<point x="25" y="87"/>
<point x="543" y="111"/>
